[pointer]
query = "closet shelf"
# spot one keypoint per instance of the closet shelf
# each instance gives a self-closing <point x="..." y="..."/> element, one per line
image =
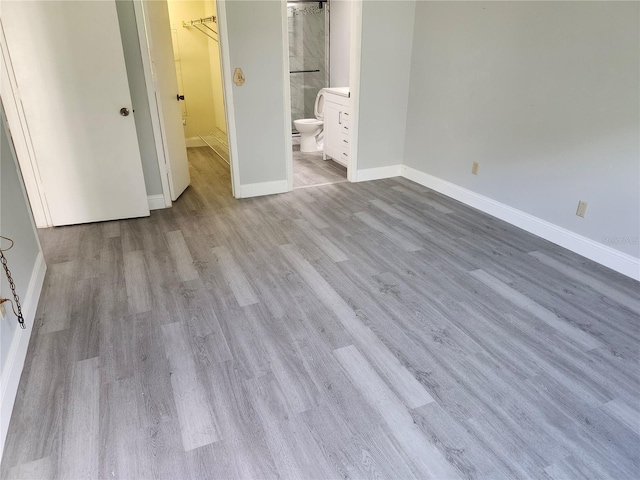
<point x="199" y="21"/>
<point x="202" y="22"/>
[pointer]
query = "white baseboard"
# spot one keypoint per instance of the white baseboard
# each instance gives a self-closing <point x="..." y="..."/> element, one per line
<point x="598" y="252"/>
<point x="195" y="142"/>
<point x="18" y="350"/>
<point x="378" y="173"/>
<point x="156" y="202"/>
<point x="264" y="188"/>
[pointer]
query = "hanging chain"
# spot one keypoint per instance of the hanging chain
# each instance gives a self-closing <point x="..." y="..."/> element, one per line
<point x="12" y="285"/>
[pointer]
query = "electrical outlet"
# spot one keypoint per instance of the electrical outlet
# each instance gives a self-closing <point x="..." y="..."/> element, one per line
<point x="582" y="209"/>
<point x="474" y="168"/>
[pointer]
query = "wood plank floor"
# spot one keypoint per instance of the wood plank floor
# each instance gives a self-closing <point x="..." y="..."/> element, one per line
<point x="310" y="169"/>
<point x="372" y="330"/>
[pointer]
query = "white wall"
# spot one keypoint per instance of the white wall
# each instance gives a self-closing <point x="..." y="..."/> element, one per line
<point x="255" y="44"/>
<point x="387" y="37"/>
<point x="27" y="269"/>
<point x="15" y="223"/>
<point x="139" y="98"/>
<point x="339" y="41"/>
<point x="544" y="95"/>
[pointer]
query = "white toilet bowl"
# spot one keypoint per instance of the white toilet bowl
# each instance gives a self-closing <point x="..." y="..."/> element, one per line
<point x="311" y="128"/>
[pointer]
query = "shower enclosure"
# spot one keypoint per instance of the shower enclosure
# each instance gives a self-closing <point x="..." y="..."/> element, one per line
<point x="308" y="24"/>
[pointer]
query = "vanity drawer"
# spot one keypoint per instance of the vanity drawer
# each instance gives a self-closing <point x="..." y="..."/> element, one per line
<point x="345" y="149"/>
<point x="342" y="158"/>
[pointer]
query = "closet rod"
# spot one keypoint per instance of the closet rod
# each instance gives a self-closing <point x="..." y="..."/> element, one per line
<point x="203" y="22"/>
<point x="199" y="21"/>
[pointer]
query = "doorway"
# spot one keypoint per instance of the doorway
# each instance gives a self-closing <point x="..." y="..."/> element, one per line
<point x="196" y="51"/>
<point x="184" y="76"/>
<point x="310" y="35"/>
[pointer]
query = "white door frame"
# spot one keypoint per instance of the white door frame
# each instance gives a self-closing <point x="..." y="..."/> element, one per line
<point x="355" y="49"/>
<point x="155" y="106"/>
<point x="227" y="87"/>
<point x="355" y="60"/>
<point x="21" y="137"/>
<point x="286" y="80"/>
<point x="146" y="45"/>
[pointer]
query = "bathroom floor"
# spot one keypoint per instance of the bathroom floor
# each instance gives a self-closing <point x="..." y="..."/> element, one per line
<point x="310" y="169"/>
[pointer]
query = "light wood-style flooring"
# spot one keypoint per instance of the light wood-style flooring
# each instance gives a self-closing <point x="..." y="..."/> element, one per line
<point x="371" y="330"/>
<point x="310" y="169"/>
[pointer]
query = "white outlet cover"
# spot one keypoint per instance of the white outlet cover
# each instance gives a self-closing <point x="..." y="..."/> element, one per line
<point x="582" y="209"/>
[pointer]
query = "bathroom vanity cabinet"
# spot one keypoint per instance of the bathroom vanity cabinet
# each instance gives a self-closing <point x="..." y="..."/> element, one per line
<point x="337" y="125"/>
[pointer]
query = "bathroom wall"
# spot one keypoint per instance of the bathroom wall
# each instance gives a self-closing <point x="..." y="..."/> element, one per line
<point x="387" y="38"/>
<point x="307" y="51"/>
<point x="139" y="98"/>
<point x="191" y="48"/>
<point x="544" y="95"/>
<point x="340" y="40"/>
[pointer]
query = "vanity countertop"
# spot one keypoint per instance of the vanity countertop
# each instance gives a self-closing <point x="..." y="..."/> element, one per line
<point x="342" y="91"/>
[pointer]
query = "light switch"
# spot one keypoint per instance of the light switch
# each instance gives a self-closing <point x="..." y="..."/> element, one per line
<point x="238" y="77"/>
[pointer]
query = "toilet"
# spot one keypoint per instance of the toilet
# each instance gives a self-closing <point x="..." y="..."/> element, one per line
<point x="311" y="128"/>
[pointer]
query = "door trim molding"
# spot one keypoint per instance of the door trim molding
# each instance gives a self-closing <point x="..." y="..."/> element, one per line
<point x="286" y="84"/>
<point x="227" y="88"/>
<point x="21" y="138"/>
<point x="155" y="109"/>
<point x="355" y="60"/>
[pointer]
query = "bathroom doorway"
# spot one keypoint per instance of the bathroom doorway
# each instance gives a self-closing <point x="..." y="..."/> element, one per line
<point x="195" y="41"/>
<point x="309" y="33"/>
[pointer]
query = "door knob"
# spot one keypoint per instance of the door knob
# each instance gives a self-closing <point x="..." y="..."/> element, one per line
<point x="180" y="97"/>
<point x="124" y="112"/>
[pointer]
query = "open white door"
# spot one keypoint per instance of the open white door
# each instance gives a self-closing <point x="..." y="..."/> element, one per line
<point x="72" y="82"/>
<point x="166" y="85"/>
